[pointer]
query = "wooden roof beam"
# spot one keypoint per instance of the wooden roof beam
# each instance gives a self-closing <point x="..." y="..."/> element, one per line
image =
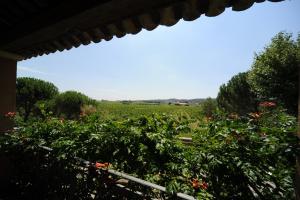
<point x="65" y="17"/>
<point x="11" y="56"/>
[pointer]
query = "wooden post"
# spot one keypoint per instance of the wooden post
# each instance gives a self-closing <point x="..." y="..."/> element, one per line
<point x="8" y="72"/>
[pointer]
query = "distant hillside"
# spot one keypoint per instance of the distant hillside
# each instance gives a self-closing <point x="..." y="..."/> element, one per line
<point x="166" y="101"/>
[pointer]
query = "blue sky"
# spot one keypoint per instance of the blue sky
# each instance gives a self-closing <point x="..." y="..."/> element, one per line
<point x="187" y="60"/>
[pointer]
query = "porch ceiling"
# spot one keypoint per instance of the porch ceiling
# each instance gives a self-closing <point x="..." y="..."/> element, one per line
<point x="35" y="27"/>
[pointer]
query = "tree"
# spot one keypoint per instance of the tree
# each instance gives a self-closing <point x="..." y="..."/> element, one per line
<point x="69" y="104"/>
<point x="209" y="107"/>
<point x="274" y="73"/>
<point x="30" y="91"/>
<point x="236" y="96"/>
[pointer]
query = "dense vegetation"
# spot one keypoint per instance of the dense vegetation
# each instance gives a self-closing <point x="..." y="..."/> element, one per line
<point x="244" y="144"/>
<point x="35" y="96"/>
<point x="235" y="158"/>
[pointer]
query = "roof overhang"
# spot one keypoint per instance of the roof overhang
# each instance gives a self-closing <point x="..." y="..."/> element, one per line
<point x="35" y="27"/>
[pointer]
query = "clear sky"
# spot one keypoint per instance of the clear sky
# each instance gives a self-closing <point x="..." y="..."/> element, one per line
<point x="187" y="60"/>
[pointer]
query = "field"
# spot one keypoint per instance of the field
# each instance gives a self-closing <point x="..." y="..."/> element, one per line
<point x="190" y="115"/>
<point x="119" y="110"/>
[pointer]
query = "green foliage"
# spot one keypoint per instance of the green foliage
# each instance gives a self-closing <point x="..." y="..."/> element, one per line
<point x="209" y="107"/>
<point x="236" y="96"/>
<point x="30" y="91"/>
<point x="145" y="147"/>
<point x="249" y="158"/>
<point x="69" y="104"/>
<point x="274" y="73"/>
<point x="252" y="157"/>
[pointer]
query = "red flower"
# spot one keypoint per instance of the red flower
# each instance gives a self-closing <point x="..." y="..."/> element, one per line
<point x="99" y="165"/>
<point x="195" y="184"/>
<point x="10" y="114"/>
<point x="267" y="104"/>
<point x="204" y="185"/>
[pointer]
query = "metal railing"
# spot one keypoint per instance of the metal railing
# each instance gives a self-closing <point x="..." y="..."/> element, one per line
<point x="129" y="178"/>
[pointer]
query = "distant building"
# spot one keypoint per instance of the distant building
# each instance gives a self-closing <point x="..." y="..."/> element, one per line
<point x="181" y="104"/>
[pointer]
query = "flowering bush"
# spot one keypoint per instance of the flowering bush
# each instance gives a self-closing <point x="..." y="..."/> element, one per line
<point x="248" y="158"/>
<point x="231" y="158"/>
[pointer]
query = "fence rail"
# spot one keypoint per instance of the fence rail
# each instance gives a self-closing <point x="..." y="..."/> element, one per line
<point x="129" y="177"/>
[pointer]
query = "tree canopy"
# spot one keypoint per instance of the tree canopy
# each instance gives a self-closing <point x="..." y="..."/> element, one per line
<point x="236" y="96"/>
<point x="273" y="76"/>
<point x="274" y="73"/>
<point x="30" y="91"/>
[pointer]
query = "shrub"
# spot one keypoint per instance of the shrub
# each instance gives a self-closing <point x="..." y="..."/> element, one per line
<point x="69" y="104"/>
<point x="208" y="107"/>
<point x="30" y="91"/>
